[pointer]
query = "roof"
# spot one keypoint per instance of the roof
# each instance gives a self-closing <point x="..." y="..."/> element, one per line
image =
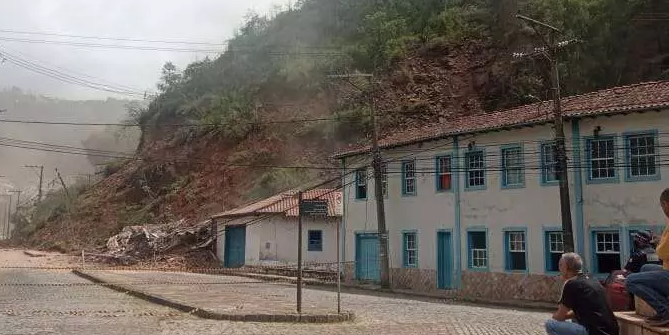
<point x="285" y="203"/>
<point x="637" y="97"/>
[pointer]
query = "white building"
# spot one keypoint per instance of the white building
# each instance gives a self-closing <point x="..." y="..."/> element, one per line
<point x="472" y="206"/>
<point x="265" y="232"/>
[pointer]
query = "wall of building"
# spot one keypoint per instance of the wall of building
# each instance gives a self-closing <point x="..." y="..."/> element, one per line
<point x="533" y="208"/>
<point x="274" y="240"/>
<point x="622" y="205"/>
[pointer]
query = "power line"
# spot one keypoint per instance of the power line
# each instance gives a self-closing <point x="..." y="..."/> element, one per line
<point x="289" y="50"/>
<point x="9" y="31"/>
<point x="34" y="60"/>
<point x="28" y="65"/>
<point x="186" y="125"/>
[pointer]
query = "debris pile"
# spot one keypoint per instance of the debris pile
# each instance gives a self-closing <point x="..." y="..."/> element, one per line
<point x="137" y="244"/>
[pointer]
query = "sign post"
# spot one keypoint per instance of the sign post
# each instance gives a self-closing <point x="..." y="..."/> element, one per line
<point x="312" y="208"/>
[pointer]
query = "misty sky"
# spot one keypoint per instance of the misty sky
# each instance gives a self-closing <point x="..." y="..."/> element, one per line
<point x="211" y="21"/>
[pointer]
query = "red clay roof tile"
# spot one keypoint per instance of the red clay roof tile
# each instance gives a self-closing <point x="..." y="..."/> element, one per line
<point x="285" y="203"/>
<point x="642" y="96"/>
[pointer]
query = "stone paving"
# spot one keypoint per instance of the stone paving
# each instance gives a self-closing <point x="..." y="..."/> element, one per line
<point x="374" y="312"/>
<point x="30" y="304"/>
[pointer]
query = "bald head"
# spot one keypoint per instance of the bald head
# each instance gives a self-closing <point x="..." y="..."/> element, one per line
<point x="572" y="262"/>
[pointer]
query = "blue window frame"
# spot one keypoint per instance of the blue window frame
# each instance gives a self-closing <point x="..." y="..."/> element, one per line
<point x="410" y="247"/>
<point x="642" y="161"/>
<point x="477" y="247"/>
<point x="549" y="164"/>
<point x="601" y="159"/>
<point x="409" y="177"/>
<point x="515" y="245"/>
<point x="361" y="184"/>
<point x="607" y="252"/>
<point x="315" y="242"/>
<point x="444" y="173"/>
<point x="475" y="170"/>
<point x="513" y="171"/>
<point x="554" y="248"/>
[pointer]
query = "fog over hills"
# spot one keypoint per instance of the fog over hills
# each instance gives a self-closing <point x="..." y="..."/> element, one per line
<point x="20" y="105"/>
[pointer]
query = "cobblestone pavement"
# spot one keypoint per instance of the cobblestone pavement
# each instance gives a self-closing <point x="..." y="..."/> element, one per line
<point x="74" y="306"/>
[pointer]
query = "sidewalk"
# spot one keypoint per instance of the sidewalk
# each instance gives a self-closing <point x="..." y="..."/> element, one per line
<point x="221" y="297"/>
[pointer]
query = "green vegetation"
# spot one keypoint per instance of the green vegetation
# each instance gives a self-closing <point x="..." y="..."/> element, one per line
<point x="287" y="56"/>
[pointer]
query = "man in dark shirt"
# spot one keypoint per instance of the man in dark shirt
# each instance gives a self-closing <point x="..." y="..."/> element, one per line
<point x="583" y="300"/>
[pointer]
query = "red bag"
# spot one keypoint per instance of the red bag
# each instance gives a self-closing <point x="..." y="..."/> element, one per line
<point x="616" y="293"/>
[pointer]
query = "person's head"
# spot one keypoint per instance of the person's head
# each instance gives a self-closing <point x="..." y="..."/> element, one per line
<point x="642" y="240"/>
<point x="571" y="264"/>
<point x="664" y="201"/>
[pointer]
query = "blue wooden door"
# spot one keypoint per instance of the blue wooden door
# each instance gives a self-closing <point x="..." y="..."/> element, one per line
<point x="367" y="258"/>
<point x="235" y="246"/>
<point x="444" y="260"/>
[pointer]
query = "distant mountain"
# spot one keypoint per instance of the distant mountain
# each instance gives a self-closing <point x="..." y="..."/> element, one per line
<point x="20" y="105"/>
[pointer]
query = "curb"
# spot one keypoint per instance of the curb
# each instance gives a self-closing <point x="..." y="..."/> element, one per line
<point x="526" y="305"/>
<point x="33" y="254"/>
<point x="205" y="314"/>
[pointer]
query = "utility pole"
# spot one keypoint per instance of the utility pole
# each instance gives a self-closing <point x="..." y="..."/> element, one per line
<point x="299" y="252"/>
<point x="7" y="216"/>
<point x="64" y="186"/>
<point x="378" y="180"/>
<point x="18" y="201"/>
<point x="41" y="179"/>
<point x="550" y="51"/>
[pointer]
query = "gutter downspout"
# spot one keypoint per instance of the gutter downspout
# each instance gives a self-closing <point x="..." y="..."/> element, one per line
<point x="457" y="210"/>
<point x="344" y="200"/>
<point x="578" y="187"/>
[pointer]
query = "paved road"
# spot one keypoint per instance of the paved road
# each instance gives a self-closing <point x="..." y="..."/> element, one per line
<point x="57" y="302"/>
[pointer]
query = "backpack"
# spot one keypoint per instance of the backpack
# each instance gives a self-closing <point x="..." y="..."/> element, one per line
<point x="616" y="292"/>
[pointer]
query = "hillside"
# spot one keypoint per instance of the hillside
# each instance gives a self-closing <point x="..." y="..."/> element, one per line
<point x="24" y="106"/>
<point x="227" y="130"/>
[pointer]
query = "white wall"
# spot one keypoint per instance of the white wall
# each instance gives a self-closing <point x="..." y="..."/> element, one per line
<point x="535" y="206"/>
<point x="275" y="240"/>
<point x="626" y="204"/>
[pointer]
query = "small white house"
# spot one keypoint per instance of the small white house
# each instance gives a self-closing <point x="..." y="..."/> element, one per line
<point x="266" y="232"/>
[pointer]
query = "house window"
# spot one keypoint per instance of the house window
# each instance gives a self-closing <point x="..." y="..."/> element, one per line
<point x="478" y="250"/>
<point x="516" y="259"/>
<point x="475" y="165"/>
<point x="512" y="167"/>
<point x="641" y="156"/>
<point x="554" y="250"/>
<point x="409" y="178"/>
<point x="315" y="240"/>
<point x="607" y="251"/>
<point x="549" y="163"/>
<point x="384" y="179"/>
<point x="410" y="241"/>
<point x="361" y="184"/>
<point x="602" y="158"/>
<point x="444" y="173"/>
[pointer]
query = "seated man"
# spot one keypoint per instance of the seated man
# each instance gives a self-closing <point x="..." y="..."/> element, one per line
<point x="583" y="300"/>
<point x="652" y="283"/>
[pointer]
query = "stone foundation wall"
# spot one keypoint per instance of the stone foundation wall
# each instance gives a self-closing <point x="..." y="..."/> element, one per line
<point x="510" y="286"/>
<point x="421" y="280"/>
<point x="478" y="285"/>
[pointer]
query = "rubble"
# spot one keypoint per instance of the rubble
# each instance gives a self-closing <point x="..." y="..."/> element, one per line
<point x="136" y="244"/>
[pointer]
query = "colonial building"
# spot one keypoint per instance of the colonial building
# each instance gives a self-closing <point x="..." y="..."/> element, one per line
<point x="266" y="232"/>
<point x="472" y="205"/>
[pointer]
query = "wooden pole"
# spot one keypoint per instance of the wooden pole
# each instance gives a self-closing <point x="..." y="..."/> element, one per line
<point x="299" y="253"/>
<point x="338" y="268"/>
